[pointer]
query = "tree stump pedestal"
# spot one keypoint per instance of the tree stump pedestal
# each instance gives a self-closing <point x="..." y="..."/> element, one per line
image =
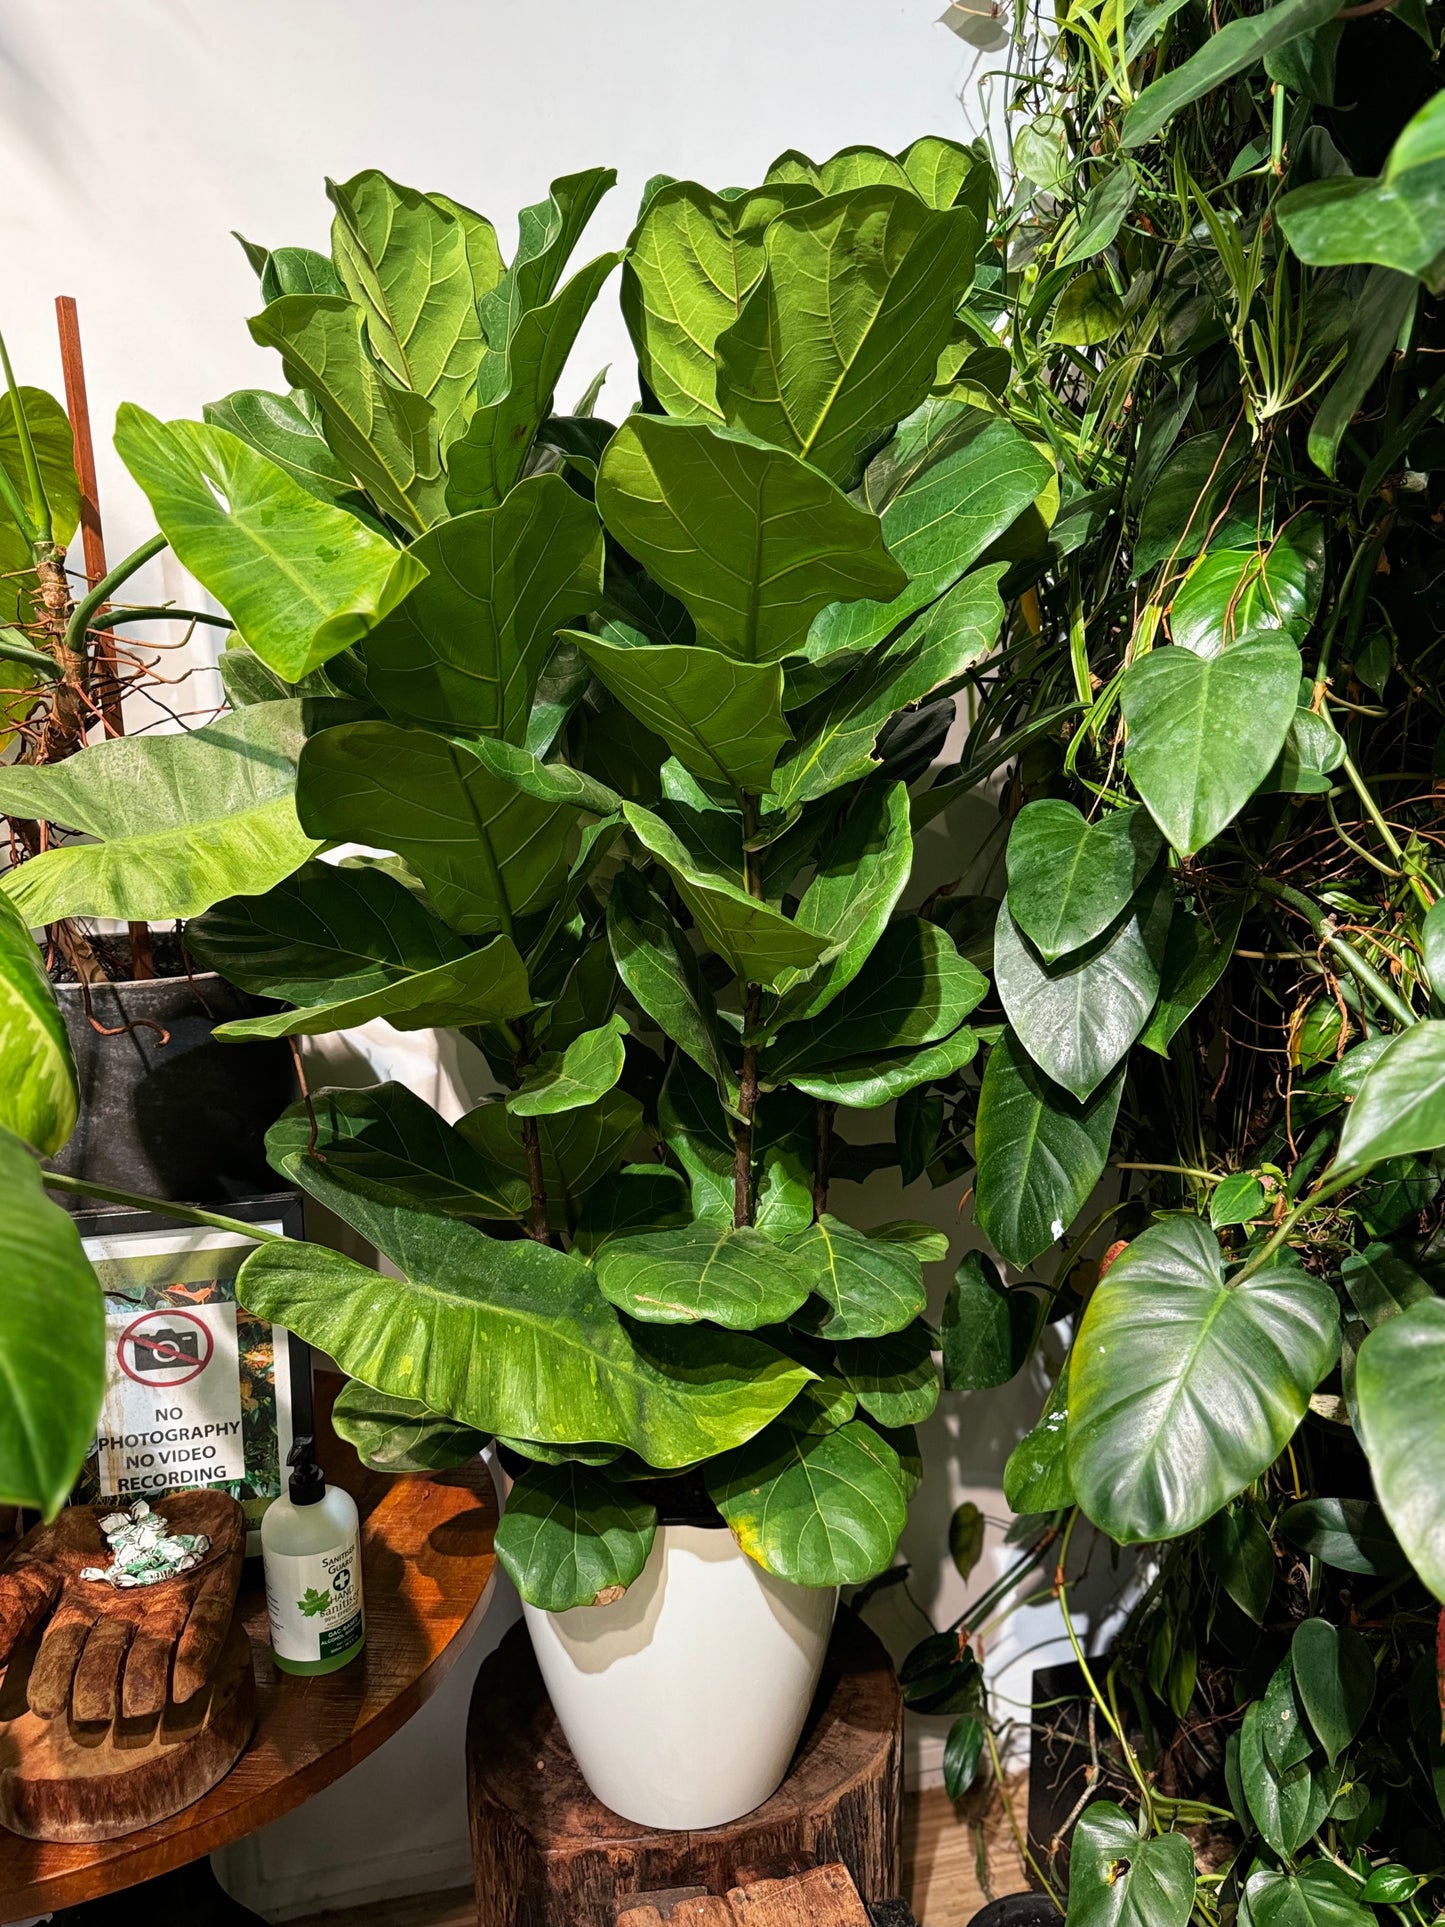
<point x="546" y="1853"/>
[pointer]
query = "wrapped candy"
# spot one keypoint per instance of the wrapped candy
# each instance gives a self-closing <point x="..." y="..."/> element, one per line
<point x="143" y="1550"/>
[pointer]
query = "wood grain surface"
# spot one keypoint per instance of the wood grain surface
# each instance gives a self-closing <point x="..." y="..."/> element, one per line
<point x="427" y="1562"/>
<point x="822" y="1897"/>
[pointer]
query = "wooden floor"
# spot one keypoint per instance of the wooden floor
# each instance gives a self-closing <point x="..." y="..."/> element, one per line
<point x="955" y="1857"/>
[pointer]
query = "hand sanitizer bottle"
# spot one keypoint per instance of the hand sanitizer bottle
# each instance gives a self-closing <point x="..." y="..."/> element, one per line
<point x="311" y="1547"/>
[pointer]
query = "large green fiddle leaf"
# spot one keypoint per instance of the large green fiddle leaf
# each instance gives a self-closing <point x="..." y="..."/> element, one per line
<point x="1069" y="879"/>
<point x="181" y="821"/>
<point x="571" y="1537"/>
<point x="1400" y="1387"/>
<point x="300" y="578"/>
<point x="752" y="540"/>
<point x="841" y="336"/>
<point x="579" y="1147"/>
<point x="464" y="651"/>
<point x="758" y="942"/>
<point x="39" y="1096"/>
<point x="821" y="1509"/>
<point x="721" y="718"/>
<point x="661" y="973"/>
<point x="1078" y="1017"/>
<point x="988" y="1329"/>
<point x="1184" y="1388"/>
<point x="1229" y="51"/>
<point x="487" y="852"/>
<point x="869" y="1286"/>
<point x="853" y="892"/>
<point x="894" y="1377"/>
<point x="514" y="395"/>
<point x="1400" y="1107"/>
<point x="547" y="232"/>
<point x="1039" y="1151"/>
<point x="287" y="433"/>
<point x="52" y="1340"/>
<point x="693" y="260"/>
<point x="404" y="260"/>
<point x="385" y="435"/>
<point x="516" y="1338"/>
<point x="871" y="1082"/>
<point x="485" y="986"/>
<point x="730" y="1276"/>
<point x="1395" y="221"/>
<point x="914" y="989"/>
<point x="566" y="1080"/>
<point x="837" y="733"/>
<point x="399" y="1434"/>
<point x="383" y="1145"/>
<point x="942" y="519"/>
<point x="1204" y="731"/>
<point x="1120" y="1878"/>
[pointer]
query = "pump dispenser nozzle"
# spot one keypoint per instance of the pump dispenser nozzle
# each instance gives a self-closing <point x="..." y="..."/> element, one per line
<point x="307" y="1485"/>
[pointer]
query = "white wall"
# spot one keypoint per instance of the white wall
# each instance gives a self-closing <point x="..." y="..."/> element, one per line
<point x="134" y="135"/>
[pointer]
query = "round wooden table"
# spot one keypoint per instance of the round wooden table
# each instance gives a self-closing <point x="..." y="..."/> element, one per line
<point x="427" y="1559"/>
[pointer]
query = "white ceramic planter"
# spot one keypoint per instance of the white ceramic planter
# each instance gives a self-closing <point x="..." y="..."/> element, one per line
<point x="683" y="1700"/>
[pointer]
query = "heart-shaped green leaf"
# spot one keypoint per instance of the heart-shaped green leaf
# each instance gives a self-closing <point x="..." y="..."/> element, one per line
<point x="1352" y="1535"/>
<point x="1400" y="1386"/>
<point x="752" y="540"/>
<point x="566" y="1080"/>
<point x="988" y="1330"/>
<point x="1320" y="1894"/>
<point x="821" y="1509"/>
<point x="1287" y="1806"/>
<point x="1068" y="879"/>
<point x="1183" y="1388"/>
<point x="1401" y="1103"/>
<point x="52" y="1341"/>
<point x="1335" y="1677"/>
<point x="1204" y="731"/>
<point x="729" y="1276"/>
<point x="1120" y="1878"/>
<point x="1231" y="594"/>
<point x="40" y="1100"/>
<point x="1077" y="1018"/>
<point x="571" y="1537"/>
<point x="1040" y="1152"/>
<point x="1395" y="221"/>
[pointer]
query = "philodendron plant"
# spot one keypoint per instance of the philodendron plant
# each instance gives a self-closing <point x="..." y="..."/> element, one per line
<point x="636" y="717"/>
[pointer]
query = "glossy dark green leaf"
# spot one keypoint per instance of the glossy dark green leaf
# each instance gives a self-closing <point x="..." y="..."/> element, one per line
<point x="988" y="1330"/>
<point x="1351" y="1535"/>
<point x="399" y="1434"/>
<point x="1242" y="1558"/>
<point x="1230" y="50"/>
<point x="1078" y="1017"/>
<point x="661" y="973"/>
<point x="1191" y="501"/>
<point x="1401" y="1103"/>
<point x="1382" y="309"/>
<point x="721" y="718"/>
<point x="1396" y="221"/>
<point x="752" y="540"/>
<point x="1391" y="1884"/>
<point x="869" y="1287"/>
<point x="1183" y="1388"/>
<point x="1287" y="1807"/>
<point x="821" y="1509"/>
<point x="894" y="1377"/>
<point x="1119" y="1879"/>
<point x="566" y="1080"/>
<point x="1400" y="1386"/>
<point x="52" y="1341"/>
<point x="876" y="1081"/>
<point x="1195" y="958"/>
<point x="515" y="1338"/>
<point x="1284" y="1730"/>
<point x="728" y="1276"/>
<point x="841" y="336"/>
<point x="571" y="1537"/>
<point x="1068" y="879"/>
<point x="180" y="821"/>
<point x="1335" y="1677"/>
<point x="486" y="852"/>
<point x="1036" y="1474"/>
<point x="961" y="1752"/>
<point x="1203" y="732"/>
<point x="40" y="1098"/>
<point x="942" y="1675"/>
<point x="465" y="649"/>
<point x="1231" y="594"/>
<point x="1381" y="1283"/>
<point x="1319" y="1894"/>
<point x="1040" y="1152"/>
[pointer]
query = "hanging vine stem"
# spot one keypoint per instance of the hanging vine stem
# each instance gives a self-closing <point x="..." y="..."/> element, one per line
<point x="1114" y="1724"/>
<point x="1323" y="926"/>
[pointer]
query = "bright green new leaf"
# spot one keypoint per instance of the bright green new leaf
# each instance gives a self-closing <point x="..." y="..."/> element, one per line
<point x="1040" y="1152"/>
<point x="516" y="1338"/>
<point x="660" y="971"/>
<point x="52" y="1341"/>
<point x="180" y="820"/>
<point x="1400" y="1386"/>
<point x="301" y="579"/>
<point x="566" y="1080"/>
<point x="1069" y="879"/>
<point x="1119" y="1879"/>
<point x="1395" y="221"/>
<point x="486" y="852"/>
<point x="721" y="718"/>
<point x="571" y="1537"/>
<point x="869" y="1287"/>
<point x="841" y="336"/>
<point x="1203" y="732"/>
<point x="386" y="436"/>
<point x="280" y="428"/>
<point x="821" y="1509"/>
<point x="1078" y="1017"/>
<point x="988" y="1329"/>
<point x="1184" y="1389"/>
<point x="1401" y="1103"/>
<point x="39" y="1098"/>
<point x="751" y="539"/>
<point x="1240" y="1199"/>
<point x="1230" y="50"/>
<point x="465" y="649"/>
<point x="395" y="1435"/>
<point x="547" y="232"/>
<point x="733" y="1277"/>
<point x="1088" y="312"/>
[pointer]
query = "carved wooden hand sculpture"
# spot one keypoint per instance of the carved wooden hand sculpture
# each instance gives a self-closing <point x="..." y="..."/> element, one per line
<point x="107" y="1651"/>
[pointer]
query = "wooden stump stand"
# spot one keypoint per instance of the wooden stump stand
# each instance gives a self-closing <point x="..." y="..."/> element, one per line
<point x="548" y="1854"/>
<point x="822" y="1897"/>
